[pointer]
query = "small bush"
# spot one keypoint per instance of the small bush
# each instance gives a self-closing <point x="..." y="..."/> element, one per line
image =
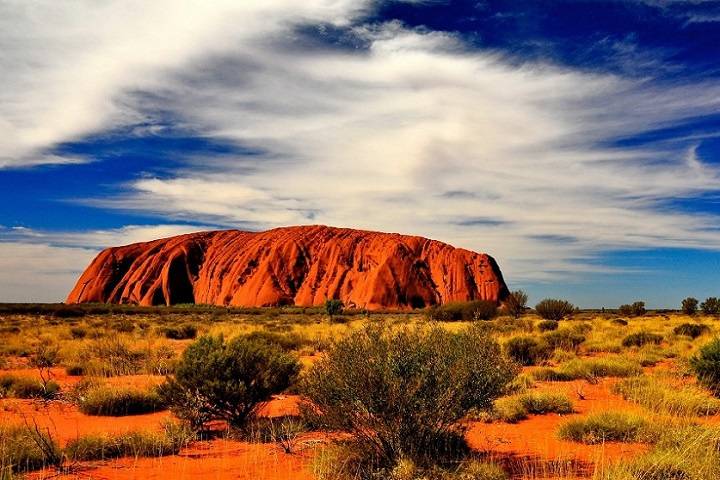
<point x="565" y="339"/>
<point x="124" y="325"/>
<point x="606" y="427"/>
<point x="27" y="387"/>
<point x="116" y="402"/>
<point x="548" y="325"/>
<point x="467" y="311"/>
<point x="636" y="309"/>
<point x="711" y="306"/>
<point x="527" y="350"/>
<point x="334" y="307"/>
<point x="642" y="338"/>
<point x="286" y="341"/>
<point x="186" y="331"/>
<point x="689" y="306"/>
<point x="554" y="309"/>
<point x="227" y="380"/>
<point x="402" y="392"/>
<point x="619" y="321"/>
<point x="706" y="365"/>
<point x="692" y="330"/>
<point x="78" y="332"/>
<point x="516" y="303"/>
<point x="518" y="407"/>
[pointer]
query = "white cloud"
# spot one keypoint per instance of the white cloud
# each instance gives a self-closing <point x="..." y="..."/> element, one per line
<point x="415" y="134"/>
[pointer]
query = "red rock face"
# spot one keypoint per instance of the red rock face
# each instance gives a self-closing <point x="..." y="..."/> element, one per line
<point x="291" y="266"/>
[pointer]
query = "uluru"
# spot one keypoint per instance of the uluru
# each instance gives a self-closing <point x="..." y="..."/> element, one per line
<point x="301" y="266"/>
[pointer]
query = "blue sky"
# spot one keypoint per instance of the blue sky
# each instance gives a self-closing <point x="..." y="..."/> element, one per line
<point x="578" y="142"/>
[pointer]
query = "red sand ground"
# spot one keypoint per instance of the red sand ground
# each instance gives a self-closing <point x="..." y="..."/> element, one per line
<point x="528" y="446"/>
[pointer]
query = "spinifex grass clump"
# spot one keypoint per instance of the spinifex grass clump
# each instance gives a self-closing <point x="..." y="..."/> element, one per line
<point x="589" y="368"/>
<point x="608" y="427"/>
<point x="24" y="449"/>
<point x="639" y="339"/>
<point x="27" y="387"/>
<point x="662" y="397"/>
<point x="402" y="393"/>
<point x="692" y="330"/>
<point x="114" y="401"/>
<point x="706" y="365"/>
<point x="517" y="407"/>
<point x="527" y="350"/>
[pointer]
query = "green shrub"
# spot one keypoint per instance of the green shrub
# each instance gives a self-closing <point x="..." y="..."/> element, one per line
<point x="692" y="330"/>
<point x="564" y="338"/>
<point x="186" y="331"/>
<point x="554" y="309"/>
<point x="607" y="427"/>
<point x="639" y="339"/>
<point x="23" y="449"/>
<point x="402" y="393"/>
<point x="467" y="311"/>
<point x="548" y="325"/>
<point x="711" y="306"/>
<point x="527" y="350"/>
<point x="334" y="307"/>
<point x="636" y="309"/>
<point x="227" y="380"/>
<point x="287" y="341"/>
<point x="689" y="306"/>
<point x="516" y="303"/>
<point x="706" y="365"/>
<point x="116" y="402"/>
<point x="27" y="387"/>
<point x="517" y="407"/>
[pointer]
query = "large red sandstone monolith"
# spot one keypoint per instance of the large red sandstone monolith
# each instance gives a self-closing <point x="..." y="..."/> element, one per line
<point x="290" y="266"/>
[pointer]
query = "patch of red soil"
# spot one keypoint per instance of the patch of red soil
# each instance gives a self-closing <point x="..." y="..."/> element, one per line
<point x="291" y="266"/>
<point x="536" y="437"/>
<point x="217" y="459"/>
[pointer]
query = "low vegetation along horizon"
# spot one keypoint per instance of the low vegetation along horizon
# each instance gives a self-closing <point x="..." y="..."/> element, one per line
<point x="462" y="391"/>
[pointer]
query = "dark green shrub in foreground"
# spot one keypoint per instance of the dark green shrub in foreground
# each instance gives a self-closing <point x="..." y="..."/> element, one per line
<point x="548" y="325"/>
<point x="554" y="309"/>
<point x="690" y="306"/>
<point x="692" y="330"/>
<point x="641" y="338"/>
<point x="706" y="366"/>
<point x="402" y="393"/>
<point x="711" y="306"/>
<point x="116" y="402"/>
<point x="227" y="380"/>
<point x="516" y="303"/>
<point x="528" y="350"/>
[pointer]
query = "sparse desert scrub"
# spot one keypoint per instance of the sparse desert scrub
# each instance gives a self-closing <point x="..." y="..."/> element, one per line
<point x="467" y="311"/>
<point x="119" y="355"/>
<point x="169" y="441"/>
<point x="401" y="393"/>
<point x="608" y="427"/>
<point x="548" y="325"/>
<point x="554" y="309"/>
<point x="119" y="401"/>
<point x="589" y="368"/>
<point x="218" y="379"/>
<point x="185" y="331"/>
<point x="517" y="407"/>
<point x="635" y="309"/>
<point x="661" y="397"/>
<point x="564" y="338"/>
